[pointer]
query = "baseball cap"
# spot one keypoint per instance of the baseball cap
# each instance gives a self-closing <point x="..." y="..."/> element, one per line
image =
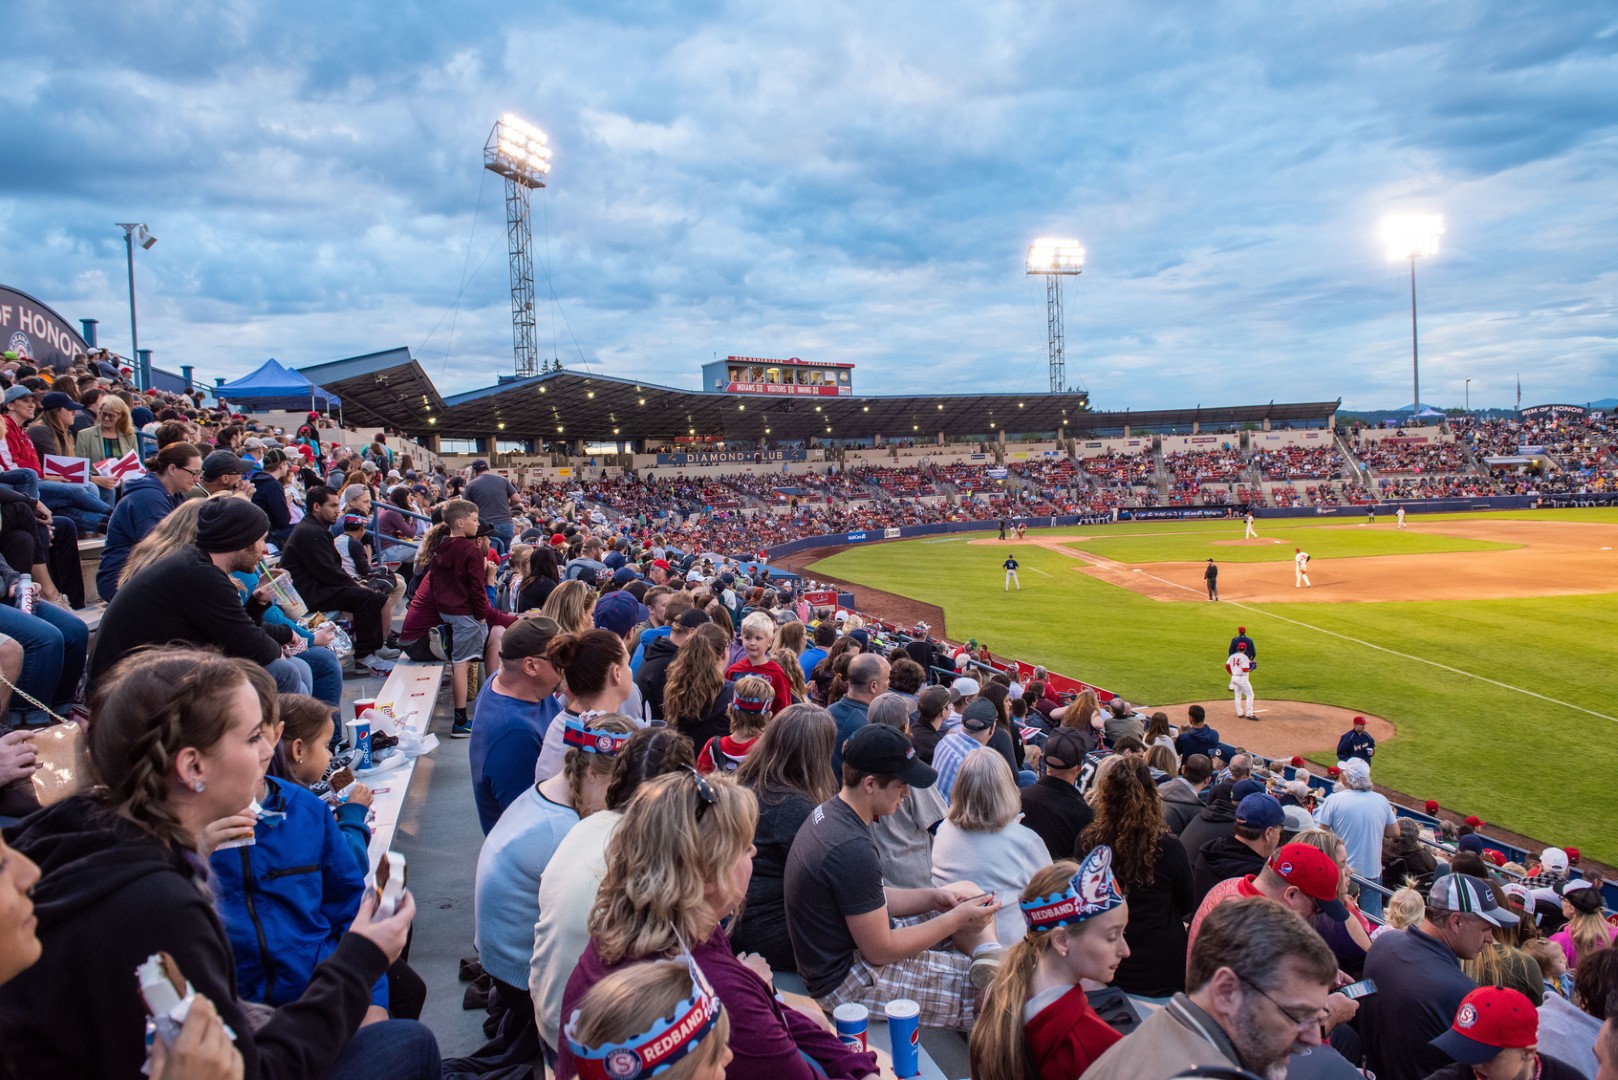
<point x="224" y="463"/>
<point x="1583" y="895"/>
<point x="353" y="521"/>
<point x="624" y="575"/>
<point x="1064" y="749"/>
<point x="1312" y="872"/>
<point x="1468" y="895"/>
<point x="1244" y="788"/>
<point x="1297" y="820"/>
<point x="558" y="540"/>
<point x="617" y="611"/>
<point x="1260" y="812"/>
<point x="16" y="393"/>
<point x="692" y="618"/>
<point x="528" y="637"/>
<point x="1553" y="858"/>
<point x="1490" y="1019"/>
<point x="963" y="688"/>
<point x="1470" y="842"/>
<point x="980" y="715"/>
<point x="1359" y="721"/>
<point x="58" y="400"/>
<point x="886" y="751"/>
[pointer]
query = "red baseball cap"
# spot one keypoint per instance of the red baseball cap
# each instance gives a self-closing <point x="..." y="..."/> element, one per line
<point x="1495" y="857"/>
<point x="1333" y="771"/>
<point x="558" y="540"/>
<point x="1431" y="805"/>
<point x="1572" y="853"/>
<point x="1490" y="1019"/>
<point x="661" y="564"/>
<point x="1474" y="821"/>
<point x="1359" y="721"/>
<point x="1297" y="762"/>
<point x="1313" y="872"/>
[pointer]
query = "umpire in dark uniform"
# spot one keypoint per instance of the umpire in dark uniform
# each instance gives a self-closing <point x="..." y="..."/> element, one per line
<point x="1211" y="576"/>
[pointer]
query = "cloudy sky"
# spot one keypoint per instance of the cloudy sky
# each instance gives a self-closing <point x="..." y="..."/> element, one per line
<point x="839" y="181"/>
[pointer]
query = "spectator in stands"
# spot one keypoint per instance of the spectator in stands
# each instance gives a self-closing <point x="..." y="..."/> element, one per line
<point x="906" y="677"/>
<point x="1407" y="858"/>
<point x="145" y="502"/>
<point x="624" y="1017"/>
<point x="696" y="695"/>
<point x="53" y="644"/>
<point x="1199" y="738"/>
<point x="1079" y="713"/>
<point x="132" y="846"/>
<point x="1037" y="1012"/>
<point x="1587" y="929"/>
<point x="188" y="597"/>
<point x="53" y="435"/>
<point x="1300" y="877"/>
<point x="932" y="708"/>
<point x="26" y="540"/>
<point x="651" y="677"/>
<point x="904" y="838"/>
<point x="512" y="713"/>
<point x="838" y="913"/>
<point x="269" y="494"/>
<point x="113" y="435"/>
<point x="567" y="891"/>
<point x="222" y="473"/>
<point x="569" y="604"/>
<point x="1363" y="818"/>
<point x="311" y="557"/>
<point x="825" y="638"/>
<point x="1573" y="1030"/>
<point x="1160" y="733"/>
<point x="789" y="771"/>
<point x="454" y="595"/>
<point x="975" y="730"/>
<point x="1052" y="806"/>
<point x="595" y="671"/>
<point x="1260" y="820"/>
<point x="1182" y="796"/>
<point x="751" y="707"/>
<point x="758" y="637"/>
<point x="512" y="863"/>
<point x="1551" y="872"/>
<point x="1419" y="979"/>
<point x="1257" y="984"/>
<point x="678" y="867"/>
<point x="1152" y="870"/>
<point x="495" y="498"/>
<point x="80" y="503"/>
<point x="1121" y="722"/>
<point x="982" y="840"/>
<point x="867" y="678"/>
<point x="1495" y="1036"/>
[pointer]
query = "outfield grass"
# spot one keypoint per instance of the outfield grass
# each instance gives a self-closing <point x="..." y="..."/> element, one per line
<point x="1531" y="765"/>
<point x="1342" y="541"/>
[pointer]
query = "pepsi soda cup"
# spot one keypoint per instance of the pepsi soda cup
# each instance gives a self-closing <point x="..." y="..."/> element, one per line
<point x="851" y="1021"/>
<point x="904" y="1035"/>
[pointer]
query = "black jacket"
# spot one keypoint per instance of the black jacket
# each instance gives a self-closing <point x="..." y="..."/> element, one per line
<point x="654" y="673"/>
<point x="1218" y="818"/>
<point x="1055" y="810"/>
<point x="310" y="556"/>
<point x="182" y="598"/>
<point x="1180" y="804"/>
<point x="1221" y="859"/>
<point x="270" y="497"/>
<point x="111" y="896"/>
<point x="1155" y="966"/>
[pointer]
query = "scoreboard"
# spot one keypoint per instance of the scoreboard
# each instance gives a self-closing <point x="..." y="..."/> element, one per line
<point x="778" y="378"/>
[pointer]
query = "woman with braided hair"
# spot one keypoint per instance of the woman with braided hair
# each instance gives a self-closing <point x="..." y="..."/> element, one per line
<point x="180" y="739"/>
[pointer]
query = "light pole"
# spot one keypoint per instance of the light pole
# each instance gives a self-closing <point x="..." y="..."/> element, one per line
<point x="1407" y="236"/>
<point x="1469" y="397"/>
<point x="1053" y="260"/>
<point x="136" y="234"/>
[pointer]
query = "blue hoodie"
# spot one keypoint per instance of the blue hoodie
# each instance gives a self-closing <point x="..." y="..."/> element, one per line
<point x="288" y="897"/>
<point x="143" y="504"/>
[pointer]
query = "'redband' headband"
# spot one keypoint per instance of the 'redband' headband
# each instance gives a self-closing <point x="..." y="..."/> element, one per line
<point x="591" y="740"/>
<point x="667" y="1041"/>
<point x="1092" y="891"/>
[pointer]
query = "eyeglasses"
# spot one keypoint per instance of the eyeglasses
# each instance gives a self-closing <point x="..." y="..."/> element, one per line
<point x="193" y="473"/>
<point x="1310" y="1020"/>
<point x="705" y="793"/>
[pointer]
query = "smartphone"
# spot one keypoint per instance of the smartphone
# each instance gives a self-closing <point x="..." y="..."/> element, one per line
<point x="1355" y="991"/>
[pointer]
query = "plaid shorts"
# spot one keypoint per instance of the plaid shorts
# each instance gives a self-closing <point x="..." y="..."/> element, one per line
<point x="938" y="980"/>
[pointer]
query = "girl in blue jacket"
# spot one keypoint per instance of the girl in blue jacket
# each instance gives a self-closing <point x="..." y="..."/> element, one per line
<point x="288" y="895"/>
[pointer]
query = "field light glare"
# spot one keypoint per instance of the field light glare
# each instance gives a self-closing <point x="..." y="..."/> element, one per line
<point x="1048" y="255"/>
<point x="1409" y="236"/>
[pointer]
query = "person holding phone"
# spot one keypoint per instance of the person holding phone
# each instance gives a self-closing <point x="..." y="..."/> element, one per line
<point x="839" y="914"/>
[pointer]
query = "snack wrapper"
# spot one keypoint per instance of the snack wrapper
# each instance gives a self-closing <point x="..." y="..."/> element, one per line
<point x="168" y="997"/>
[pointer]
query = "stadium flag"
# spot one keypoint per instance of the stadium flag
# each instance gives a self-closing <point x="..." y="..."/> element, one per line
<point x="69" y="470"/>
<point x="127" y="467"/>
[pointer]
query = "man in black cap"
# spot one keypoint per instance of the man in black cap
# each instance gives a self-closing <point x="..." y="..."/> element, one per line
<point x="1211" y="576"/>
<point x="1052" y="805"/>
<point x="222" y="471"/>
<point x="838" y="913"/>
<point x="188" y="598"/>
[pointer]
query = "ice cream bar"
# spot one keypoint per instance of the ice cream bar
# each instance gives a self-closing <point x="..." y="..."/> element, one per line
<point x="251" y="838"/>
<point x="390" y="883"/>
<point x="161" y="984"/>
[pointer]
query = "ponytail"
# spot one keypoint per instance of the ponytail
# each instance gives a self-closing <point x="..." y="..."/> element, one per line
<point x="429" y="544"/>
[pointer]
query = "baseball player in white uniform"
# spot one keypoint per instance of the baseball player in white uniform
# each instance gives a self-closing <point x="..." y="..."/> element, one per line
<point x="1401" y="517"/>
<point x="1011" y="573"/>
<point x="1252" y="533"/>
<point x="1241" y="683"/>
<point x="1300" y="569"/>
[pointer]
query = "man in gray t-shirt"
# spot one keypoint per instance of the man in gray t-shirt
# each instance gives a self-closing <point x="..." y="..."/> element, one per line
<point x="492" y="493"/>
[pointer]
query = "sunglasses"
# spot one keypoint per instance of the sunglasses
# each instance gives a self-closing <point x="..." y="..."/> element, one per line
<point x="705" y="793"/>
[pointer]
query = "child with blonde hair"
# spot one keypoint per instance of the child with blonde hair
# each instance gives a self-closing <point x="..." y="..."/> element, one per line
<point x="750" y="711"/>
<point x="758" y="637"/>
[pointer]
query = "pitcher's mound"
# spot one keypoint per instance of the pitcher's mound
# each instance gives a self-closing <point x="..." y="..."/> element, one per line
<point x="1283" y="728"/>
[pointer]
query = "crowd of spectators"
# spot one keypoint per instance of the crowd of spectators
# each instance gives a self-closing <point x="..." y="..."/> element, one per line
<point x="1300" y="463"/>
<point x="1123" y="470"/>
<point x="1397" y="456"/>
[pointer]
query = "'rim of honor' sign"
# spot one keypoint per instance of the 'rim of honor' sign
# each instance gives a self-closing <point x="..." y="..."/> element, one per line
<point x="30" y="328"/>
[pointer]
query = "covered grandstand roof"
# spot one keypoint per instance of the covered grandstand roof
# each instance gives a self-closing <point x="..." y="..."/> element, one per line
<point x="390" y="387"/>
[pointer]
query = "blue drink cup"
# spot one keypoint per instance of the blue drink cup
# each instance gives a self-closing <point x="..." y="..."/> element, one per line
<point x="904" y="1035"/>
<point x="851" y="1022"/>
<point x="359" y="734"/>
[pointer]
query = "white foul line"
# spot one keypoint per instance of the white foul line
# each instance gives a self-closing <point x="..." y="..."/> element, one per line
<point x="1395" y="652"/>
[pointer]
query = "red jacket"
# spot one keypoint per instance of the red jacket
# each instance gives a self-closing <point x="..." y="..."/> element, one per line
<point x="454" y="585"/>
<point x="19" y="447"/>
<point x="1066" y="1036"/>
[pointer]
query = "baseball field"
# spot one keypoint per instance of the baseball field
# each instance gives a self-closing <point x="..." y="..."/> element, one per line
<point x="1489" y="642"/>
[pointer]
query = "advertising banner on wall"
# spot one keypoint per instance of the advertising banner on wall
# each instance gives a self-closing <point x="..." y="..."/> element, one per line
<point x="29" y="328"/>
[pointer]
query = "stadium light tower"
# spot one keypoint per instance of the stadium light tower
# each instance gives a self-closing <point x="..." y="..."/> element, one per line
<point x="519" y="152"/>
<point x="1408" y="236"/>
<point x="1053" y="260"/>
<point x="136" y="234"/>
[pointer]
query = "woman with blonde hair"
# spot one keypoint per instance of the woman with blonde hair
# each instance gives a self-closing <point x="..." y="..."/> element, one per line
<point x="1586" y="929"/>
<point x="1036" y="1022"/>
<point x="1081" y="713"/>
<point x="628" y="1012"/>
<point x="677" y="867"/>
<point x="983" y="841"/>
<point x="1152" y="870"/>
<point x="1349" y="940"/>
<point x="792" y="637"/>
<point x="570" y="604"/>
<point x="696" y="697"/>
<point x="1405" y="909"/>
<point x="111" y="436"/>
<point x="788" y="659"/>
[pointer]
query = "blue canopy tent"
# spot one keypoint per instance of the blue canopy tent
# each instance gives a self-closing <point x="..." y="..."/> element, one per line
<point x="272" y="386"/>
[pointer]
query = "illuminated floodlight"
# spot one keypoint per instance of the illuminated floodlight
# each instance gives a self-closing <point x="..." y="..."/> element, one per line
<point x="518" y="151"/>
<point x="1048" y="255"/>
<point x="1409" y="236"/>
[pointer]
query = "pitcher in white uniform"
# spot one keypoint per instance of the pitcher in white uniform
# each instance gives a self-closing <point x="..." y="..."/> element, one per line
<point x="1241" y="683"/>
<point x="1300" y="569"/>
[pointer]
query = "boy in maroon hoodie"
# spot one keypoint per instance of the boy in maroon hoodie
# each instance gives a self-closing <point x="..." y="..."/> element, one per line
<point x="453" y="594"/>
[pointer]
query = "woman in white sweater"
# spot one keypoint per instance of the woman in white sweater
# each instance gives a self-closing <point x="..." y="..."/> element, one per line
<point x="982" y="840"/>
